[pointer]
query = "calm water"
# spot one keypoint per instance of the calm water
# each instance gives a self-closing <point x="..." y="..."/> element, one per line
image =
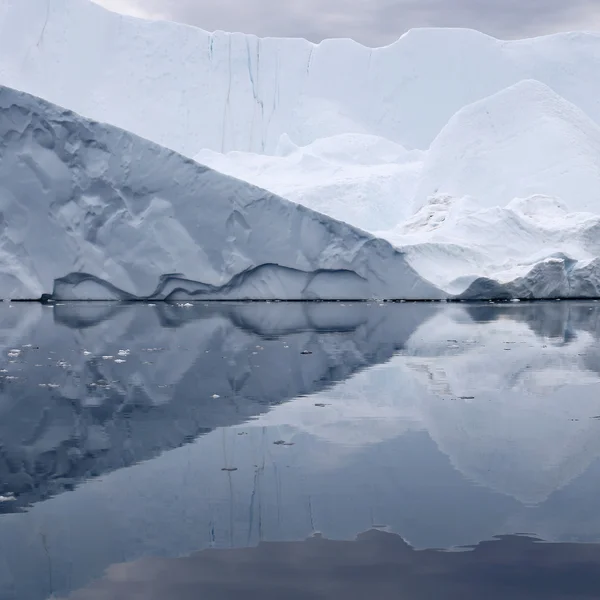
<point x="300" y="451"/>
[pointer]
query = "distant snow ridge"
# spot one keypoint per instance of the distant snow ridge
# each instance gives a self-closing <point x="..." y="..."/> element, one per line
<point x="90" y="211"/>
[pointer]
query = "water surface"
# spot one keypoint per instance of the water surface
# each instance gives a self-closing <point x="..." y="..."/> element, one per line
<point x="336" y="448"/>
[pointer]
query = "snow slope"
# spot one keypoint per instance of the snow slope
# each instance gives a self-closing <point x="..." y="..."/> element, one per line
<point x="495" y="196"/>
<point x="522" y="141"/>
<point x="532" y="248"/>
<point x="238" y="92"/>
<point x="92" y="211"/>
<point x="362" y="179"/>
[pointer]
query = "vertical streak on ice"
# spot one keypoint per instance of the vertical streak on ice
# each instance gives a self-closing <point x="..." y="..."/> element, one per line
<point x="258" y="92"/>
<point x="255" y="83"/>
<point x="226" y="107"/>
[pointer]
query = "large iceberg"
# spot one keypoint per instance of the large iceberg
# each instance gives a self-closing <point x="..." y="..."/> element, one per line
<point x="475" y="158"/>
<point x="90" y="211"/>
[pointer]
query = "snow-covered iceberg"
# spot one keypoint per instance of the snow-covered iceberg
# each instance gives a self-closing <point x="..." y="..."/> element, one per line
<point x="90" y="211"/>
<point x="476" y="158"/>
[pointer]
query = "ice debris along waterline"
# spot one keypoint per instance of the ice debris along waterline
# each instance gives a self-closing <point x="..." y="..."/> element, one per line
<point x="484" y="178"/>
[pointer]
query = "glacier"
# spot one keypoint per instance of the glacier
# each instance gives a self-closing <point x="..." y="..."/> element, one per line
<point x="474" y="158"/>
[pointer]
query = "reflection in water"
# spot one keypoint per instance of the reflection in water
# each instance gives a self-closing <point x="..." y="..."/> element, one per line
<point x="121" y="383"/>
<point x="376" y="565"/>
<point x="131" y="431"/>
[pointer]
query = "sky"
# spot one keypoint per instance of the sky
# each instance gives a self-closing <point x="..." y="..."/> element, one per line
<point x="371" y="22"/>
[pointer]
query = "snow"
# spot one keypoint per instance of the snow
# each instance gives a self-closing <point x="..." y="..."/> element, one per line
<point x="505" y="203"/>
<point x="339" y="176"/>
<point x="93" y="212"/>
<point x="522" y="141"/>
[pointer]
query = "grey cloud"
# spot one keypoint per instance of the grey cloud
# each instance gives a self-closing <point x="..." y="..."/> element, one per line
<point x="375" y="22"/>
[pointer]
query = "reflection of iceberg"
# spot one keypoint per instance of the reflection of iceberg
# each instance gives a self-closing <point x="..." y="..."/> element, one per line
<point x="99" y="394"/>
<point x="362" y="459"/>
<point x="493" y="385"/>
<point x="502" y="402"/>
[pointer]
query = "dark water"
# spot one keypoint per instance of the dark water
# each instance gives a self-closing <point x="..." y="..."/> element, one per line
<point x="300" y="451"/>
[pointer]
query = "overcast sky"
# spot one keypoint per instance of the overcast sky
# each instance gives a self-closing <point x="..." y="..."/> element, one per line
<point x="372" y="22"/>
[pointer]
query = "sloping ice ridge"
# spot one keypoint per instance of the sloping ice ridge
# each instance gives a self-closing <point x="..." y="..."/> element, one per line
<point x="90" y="211"/>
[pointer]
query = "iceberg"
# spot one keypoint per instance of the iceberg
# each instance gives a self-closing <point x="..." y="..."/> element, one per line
<point x="478" y="182"/>
<point x="90" y="211"/>
<point x="502" y="205"/>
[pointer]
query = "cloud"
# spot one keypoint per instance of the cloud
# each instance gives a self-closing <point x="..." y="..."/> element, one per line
<point x="372" y="22"/>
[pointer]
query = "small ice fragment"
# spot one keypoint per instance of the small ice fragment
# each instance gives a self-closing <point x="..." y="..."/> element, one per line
<point x="216" y="396"/>
<point x="120" y="360"/>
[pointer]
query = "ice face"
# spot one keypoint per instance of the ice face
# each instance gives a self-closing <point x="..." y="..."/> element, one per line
<point x="237" y="92"/>
<point x="93" y="212"/>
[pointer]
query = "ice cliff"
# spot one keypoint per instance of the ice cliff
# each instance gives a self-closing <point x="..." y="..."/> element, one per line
<point x="189" y="89"/>
<point x="90" y="211"/>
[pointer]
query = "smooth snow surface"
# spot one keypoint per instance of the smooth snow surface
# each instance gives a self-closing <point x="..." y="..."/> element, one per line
<point x="362" y="179"/>
<point x="93" y="212"/>
<point x="525" y="140"/>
